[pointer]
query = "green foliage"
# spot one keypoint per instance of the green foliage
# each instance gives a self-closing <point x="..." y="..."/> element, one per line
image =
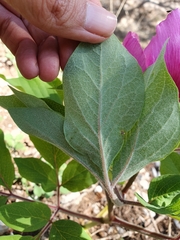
<point x="67" y="230"/>
<point x="76" y="178"/>
<point x="14" y="142"/>
<point x="164" y="195"/>
<point x="39" y="192"/>
<point x="16" y="237"/>
<point x="38" y="88"/>
<point x="37" y="171"/>
<point x="164" y="191"/>
<point x="102" y="102"/>
<point x="157" y="132"/>
<point x="10" y="102"/>
<point x="2" y="200"/>
<point x="171" y="164"/>
<point x="25" y="216"/>
<point x="115" y="121"/>
<point x="6" y="166"/>
<point x="111" y="118"/>
<point x="49" y="152"/>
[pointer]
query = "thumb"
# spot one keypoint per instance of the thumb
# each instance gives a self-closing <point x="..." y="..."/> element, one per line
<point x="83" y="20"/>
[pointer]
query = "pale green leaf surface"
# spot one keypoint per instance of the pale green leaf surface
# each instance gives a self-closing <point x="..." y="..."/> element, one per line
<point x="76" y="178"/>
<point x="39" y="192"/>
<point x="2" y="76"/>
<point x="37" y="87"/>
<point x="104" y="96"/>
<point x="25" y="216"/>
<point x="16" y="237"/>
<point x="67" y="230"/>
<point x="158" y="131"/>
<point x="171" y="164"/>
<point x="37" y="171"/>
<point x="6" y="165"/>
<point x="14" y="142"/>
<point x="48" y="125"/>
<point x="49" y="152"/>
<point x="164" y="195"/>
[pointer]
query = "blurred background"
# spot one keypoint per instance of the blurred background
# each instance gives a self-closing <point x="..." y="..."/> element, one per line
<point x="140" y="16"/>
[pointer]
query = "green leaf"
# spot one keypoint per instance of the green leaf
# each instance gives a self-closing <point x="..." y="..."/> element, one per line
<point x="171" y="164"/>
<point x="157" y="132"/>
<point x="25" y="216"/>
<point x="49" y="152"/>
<point x="29" y="100"/>
<point x="48" y="125"/>
<point x="40" y="122"/>
<point x="37" y="171"/>
<point x="164" y="195"/>
<point x="76" y="178"/>
<point x="10" y="101"/>
<point x="3" y="200"/>
<point x="6" y="165"/>
<point x="2" y="76"/>
<point x="67" y="230"/>
<point x="37" y="88"/>
<point x="104" y="96"/>
<point x="14" y="142"/>
<point x="39" y="192"/>
<point x="16" y="237"/>
<point x="55" y="106"/>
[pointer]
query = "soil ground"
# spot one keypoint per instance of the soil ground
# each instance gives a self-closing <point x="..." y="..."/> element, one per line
<point x="133" y="15"/>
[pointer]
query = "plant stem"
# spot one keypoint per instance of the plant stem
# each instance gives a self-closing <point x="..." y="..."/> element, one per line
<point x="58" y="208"/>
<point x="12" y="195"/>
<point x="79" y="215"/>
<point x="110" y="206"/>
<point x="117" y="221"/>
<point x="124" y="201"/>
<point x="102" y="215"/>
<point x="114" y="220"/>
<point x="129" y="184"/>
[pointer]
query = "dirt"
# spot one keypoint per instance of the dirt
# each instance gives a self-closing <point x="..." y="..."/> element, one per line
<point x="141" y="17"/>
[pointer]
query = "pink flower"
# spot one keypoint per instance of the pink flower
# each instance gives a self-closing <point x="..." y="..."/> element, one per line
<point x="167" y="29"/>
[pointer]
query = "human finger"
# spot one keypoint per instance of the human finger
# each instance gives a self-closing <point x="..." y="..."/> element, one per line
<point x="16" y="37"/>
<point x="48" y="59"/>
<point x="83" y="20"/>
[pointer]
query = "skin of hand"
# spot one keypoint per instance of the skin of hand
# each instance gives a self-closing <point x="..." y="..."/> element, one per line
<point x="43" y="34"/>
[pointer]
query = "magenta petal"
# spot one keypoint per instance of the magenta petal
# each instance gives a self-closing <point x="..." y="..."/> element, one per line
<point x="172" y="58"/>
<point x="131" y="43"/>
<point x="168" y="29"/>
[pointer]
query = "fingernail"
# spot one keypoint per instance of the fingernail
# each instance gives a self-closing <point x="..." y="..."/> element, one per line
<point x="99" y="21"/>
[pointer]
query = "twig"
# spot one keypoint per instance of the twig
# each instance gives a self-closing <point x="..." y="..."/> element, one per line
<point x="56" y="208"/>
<point x="120" y="8"/>
<point x="124" y="201"/>
<point x="129" y="184"/>
<point x="169" y="227"/>
<point x="79" y="215"/>
<point x="154" y="223"/>
<point x="111" y="4"/>
<point x="141" y="230"/>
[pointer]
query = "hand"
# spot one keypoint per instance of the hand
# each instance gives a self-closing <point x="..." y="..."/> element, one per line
<point x="46" y="33"/>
